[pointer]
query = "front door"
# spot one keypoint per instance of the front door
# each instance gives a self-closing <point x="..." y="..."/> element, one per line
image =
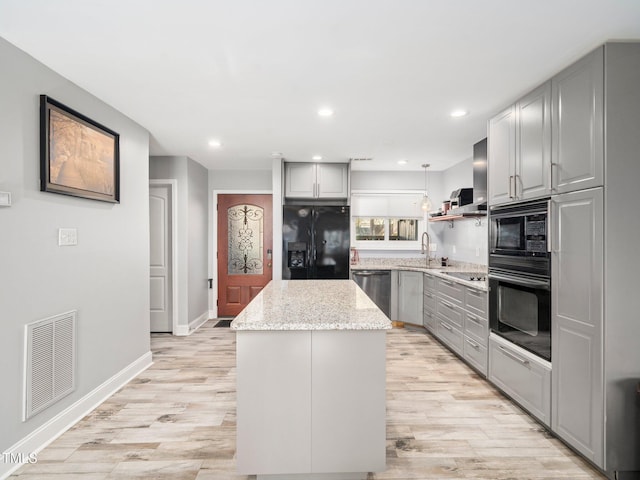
<point x="160" y="284"/>
<point x="245" y="246"/>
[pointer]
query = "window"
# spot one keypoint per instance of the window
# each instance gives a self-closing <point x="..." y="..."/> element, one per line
<point x="370" y="228"/>
<point x="377" y="232"/>
<point x="403" y="229"/>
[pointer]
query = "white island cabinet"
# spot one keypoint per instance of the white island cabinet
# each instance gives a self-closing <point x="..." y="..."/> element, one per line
<point x="311" y="382"/>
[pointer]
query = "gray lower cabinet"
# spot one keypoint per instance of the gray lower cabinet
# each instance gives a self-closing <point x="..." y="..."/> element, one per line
<point x="577" y="322"/>
<point x="522" y="376"/>
<point x="476" y="329"/>
<point x="429" y="302"/>
<point x="410" y="297"/>
<point x="457" y="315"/>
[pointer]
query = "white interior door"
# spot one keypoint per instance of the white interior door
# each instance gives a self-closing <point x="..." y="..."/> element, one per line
<point x="161" y="287"/>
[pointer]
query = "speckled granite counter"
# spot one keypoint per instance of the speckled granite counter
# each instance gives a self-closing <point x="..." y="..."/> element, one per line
<point x="434" y="269"/>
<point x="311" y="305"/>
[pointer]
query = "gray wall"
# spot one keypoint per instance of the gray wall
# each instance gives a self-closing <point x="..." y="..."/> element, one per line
<point x="105" y="277"/>
<point x="192" y="224"/>
<point x="241" y="180"/>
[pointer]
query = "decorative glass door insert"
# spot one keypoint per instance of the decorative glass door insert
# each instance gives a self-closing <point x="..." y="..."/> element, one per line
<point x="246" y="238"/>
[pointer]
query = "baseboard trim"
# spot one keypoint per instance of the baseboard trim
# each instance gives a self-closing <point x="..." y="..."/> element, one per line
<point x="52" y="429"/>
<point x="184" y="330"/>
<point x="198" y="322"/>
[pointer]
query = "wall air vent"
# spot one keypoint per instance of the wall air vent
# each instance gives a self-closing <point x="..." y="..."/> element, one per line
<point x="361" y="159"/>
<point x="50" y="352"/>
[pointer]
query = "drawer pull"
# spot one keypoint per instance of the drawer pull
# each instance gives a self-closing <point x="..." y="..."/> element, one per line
<point x="475" y="293"/>
<point x="428" y="295"/>
<point x="447" y="304"/>
<point x="446" y="326"/>
<point x="514" y="356"/>
<point x="447" y="282"/>
<point x="473" y="344"/>
<point x="473" y="319"/>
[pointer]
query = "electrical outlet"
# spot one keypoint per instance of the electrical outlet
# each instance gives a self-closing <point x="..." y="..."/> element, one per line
<point x="453" y="249"/>
<point x="477" y="251"/>
<point x="433" y="247"/>
<point x="67" y="237"/>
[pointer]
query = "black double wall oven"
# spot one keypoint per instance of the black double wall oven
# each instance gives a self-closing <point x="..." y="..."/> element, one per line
<point x="520" y="275"/>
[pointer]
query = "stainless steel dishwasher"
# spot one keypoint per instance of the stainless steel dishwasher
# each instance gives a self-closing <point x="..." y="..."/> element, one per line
<point x="377" y="285"/>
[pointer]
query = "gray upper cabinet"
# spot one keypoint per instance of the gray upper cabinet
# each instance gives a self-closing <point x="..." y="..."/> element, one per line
<point x="577" y="321"/>
<point x="502" y="155"/>
<point x="533" y="144"/>
<point x="316" y="180"/>
<point x="520" y="149"/>
<point x="578" y="146"/>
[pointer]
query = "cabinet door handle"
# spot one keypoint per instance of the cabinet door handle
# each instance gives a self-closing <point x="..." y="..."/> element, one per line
<point x="446" y="282"/>
<point x="428" y="295"/>
<point x="446" y="326"/>
<point x="473" y="344"/>
<point x="318" y="189"/>
<point x="549" y="223"/>
<point x="514" y="356"/>
<point x="510" y="185"/>
<point x="551" y="167"/>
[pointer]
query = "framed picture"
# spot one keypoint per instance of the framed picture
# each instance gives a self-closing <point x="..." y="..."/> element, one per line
<point x="78" y="156"/>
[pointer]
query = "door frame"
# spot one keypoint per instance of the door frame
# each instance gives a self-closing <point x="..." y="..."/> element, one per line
<point x="214" y="239"/>
<point x="172" y="184"/>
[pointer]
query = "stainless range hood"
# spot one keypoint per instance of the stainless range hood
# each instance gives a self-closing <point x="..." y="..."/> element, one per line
<point x="479" y="205"/>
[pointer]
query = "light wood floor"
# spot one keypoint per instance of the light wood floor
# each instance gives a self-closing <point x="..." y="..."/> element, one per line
<point x="177" y="421"/>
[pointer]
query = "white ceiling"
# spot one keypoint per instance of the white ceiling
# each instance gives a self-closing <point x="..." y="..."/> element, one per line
<point x="253" y="73"/>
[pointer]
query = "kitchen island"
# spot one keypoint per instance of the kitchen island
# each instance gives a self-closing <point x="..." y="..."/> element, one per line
<point x="310" y="358"/>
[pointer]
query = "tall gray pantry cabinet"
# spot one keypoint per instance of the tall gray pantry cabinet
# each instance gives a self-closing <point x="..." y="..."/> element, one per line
<point x="593" y="172"/>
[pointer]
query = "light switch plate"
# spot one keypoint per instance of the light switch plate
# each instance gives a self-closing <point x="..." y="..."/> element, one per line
<point x="67" y="237"/>
<point x="5" y="199"/>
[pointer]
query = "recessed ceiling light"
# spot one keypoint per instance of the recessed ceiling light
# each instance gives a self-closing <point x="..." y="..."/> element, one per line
<point x="402" y="162"/>
<point x="459" y="113"/>
<point x="325" y="112"/>
<point x="316" y="157"/>
<point x="215" y="143"/>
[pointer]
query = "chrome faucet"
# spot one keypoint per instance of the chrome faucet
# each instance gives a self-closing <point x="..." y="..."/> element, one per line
<point x="425" y="248"/>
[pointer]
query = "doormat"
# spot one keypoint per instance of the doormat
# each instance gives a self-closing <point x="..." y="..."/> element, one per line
<point x="224" y="323"/>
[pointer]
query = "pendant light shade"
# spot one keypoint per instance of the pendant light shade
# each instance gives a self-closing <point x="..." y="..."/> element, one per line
<point x="425" y="205"/>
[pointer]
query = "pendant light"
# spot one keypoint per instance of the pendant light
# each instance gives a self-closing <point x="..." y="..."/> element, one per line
<point x="425" y="205"/>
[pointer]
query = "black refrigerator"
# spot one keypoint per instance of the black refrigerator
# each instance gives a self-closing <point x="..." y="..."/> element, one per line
<point x="315" y="242"/>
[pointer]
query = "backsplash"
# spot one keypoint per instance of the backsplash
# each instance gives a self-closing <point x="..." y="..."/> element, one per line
<point x="377" y="262"/>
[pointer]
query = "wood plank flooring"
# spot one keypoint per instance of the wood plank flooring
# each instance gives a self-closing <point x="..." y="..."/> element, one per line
<point x="177" y="421"/>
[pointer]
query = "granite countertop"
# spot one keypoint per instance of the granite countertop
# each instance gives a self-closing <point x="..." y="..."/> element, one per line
<point x="435" y="269"/>
<point x="311" y="305"/>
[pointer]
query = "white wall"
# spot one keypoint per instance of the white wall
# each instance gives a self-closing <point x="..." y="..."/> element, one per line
<point x="463" y="240"/>
<point x="469" y="239"/>
<point x="105" y="277"/>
